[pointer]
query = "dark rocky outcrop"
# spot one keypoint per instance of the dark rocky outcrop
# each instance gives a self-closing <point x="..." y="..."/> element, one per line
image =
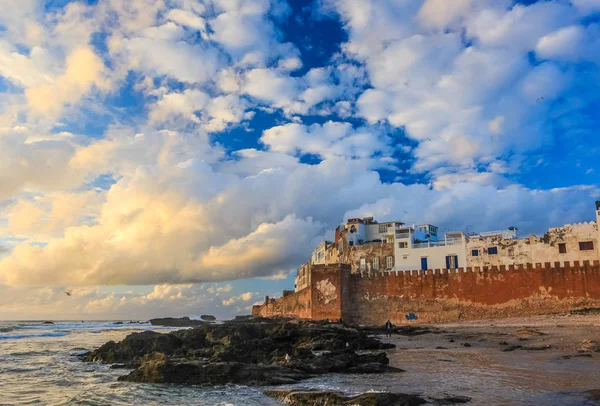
<point x="176" y="322"/>
<point x="208" y="317"/>
<point x="318" y="398"/>
<point x="594" y="396"/>
<point x="252" y="352"/>
<point x="157" y="368"/>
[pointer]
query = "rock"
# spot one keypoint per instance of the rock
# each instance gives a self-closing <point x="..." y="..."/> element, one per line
<point x="536" y="347"/>
<point x="512" y="348"/>
<point x="118" y="322"/>
<point x="134" y="347"/>
<point x="584" y="355"/>
<point x="324" y="398"/>
<point x="157" y="368"/>
<point x="466" y="345"/>
<point x="594" y="396"/>
<point x="245" y="317"/>
<point x="450" y="400"/>
<point x="251" y="352"/>
<point x="176" y="322"/>
<point x="529" y="332"/>
<point x="48" y="322"/>
<point x="208" y="317"/>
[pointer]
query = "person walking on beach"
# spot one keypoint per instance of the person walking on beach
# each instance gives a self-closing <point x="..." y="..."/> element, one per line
<point x="388" y="328"/>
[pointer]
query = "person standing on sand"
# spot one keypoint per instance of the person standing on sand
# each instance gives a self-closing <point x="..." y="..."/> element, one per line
<point x="388" y="328"/>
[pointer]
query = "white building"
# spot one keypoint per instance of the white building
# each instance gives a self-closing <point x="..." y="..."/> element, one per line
<point x="419" y="247"/>
<point x="414" y="246"/>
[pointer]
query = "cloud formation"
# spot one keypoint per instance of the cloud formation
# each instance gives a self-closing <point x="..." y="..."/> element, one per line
<point x="174" y="144"/>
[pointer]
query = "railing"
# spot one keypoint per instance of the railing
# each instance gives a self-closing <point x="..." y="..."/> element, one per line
<point x="431" y="244"/>
<point x="507" y="234"/>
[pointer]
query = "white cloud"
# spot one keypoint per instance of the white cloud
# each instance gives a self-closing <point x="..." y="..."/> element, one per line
<point x="440" y="13"/>
<point x="472" y="84"/>
<point x="84" y="71"/>
<point x="329" y="140"/>
<point x="180" y="60"/>
<point x="244" y="297"/>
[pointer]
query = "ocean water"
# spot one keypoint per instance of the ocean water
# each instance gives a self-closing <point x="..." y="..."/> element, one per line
<point x="38" y="365"/>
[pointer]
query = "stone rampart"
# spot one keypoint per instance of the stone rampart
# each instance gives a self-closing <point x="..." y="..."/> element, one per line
<point x="441" y="295"/>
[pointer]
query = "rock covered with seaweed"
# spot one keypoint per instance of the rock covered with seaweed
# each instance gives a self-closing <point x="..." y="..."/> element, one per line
<point x="252" y="352"/>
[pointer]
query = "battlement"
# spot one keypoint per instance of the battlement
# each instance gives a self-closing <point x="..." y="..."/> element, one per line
<point x="485" y="269"/>
<point x="440" y="294"/>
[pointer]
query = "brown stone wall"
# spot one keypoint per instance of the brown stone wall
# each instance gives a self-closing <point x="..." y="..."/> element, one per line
<point x="440" y="295"/>
<point x="329" y="289"/>
<point x="327" y="285"/>
<point x="472" y="293"/>
<point x="296" y="304"/>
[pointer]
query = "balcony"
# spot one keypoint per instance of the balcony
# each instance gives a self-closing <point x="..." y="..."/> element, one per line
<point x="445" y="243"/>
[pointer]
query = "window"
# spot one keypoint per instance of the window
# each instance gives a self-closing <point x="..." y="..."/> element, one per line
<point x="389" y="262"/>
<point x="474" y="253"/>
<point x="383" y="228"/>
<point x="511" y="252"/>
<point x="493" y="251"/>
<point x="403" y="244"/>
<point x="562" y="248"/>
<point x="376" y="263"/>
<point x="451" y="262"/>
<point x="586" y="245"/>
<point x="389" y="240"/>
<point x="350" y="243"/>
<point x="353" y="229"/>
<point x="363" y="264"/>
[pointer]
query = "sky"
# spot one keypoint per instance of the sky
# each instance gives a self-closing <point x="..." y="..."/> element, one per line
<point x="183" y="157"/>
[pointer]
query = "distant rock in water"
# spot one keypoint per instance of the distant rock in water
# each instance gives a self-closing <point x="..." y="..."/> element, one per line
<point x="208" y="317"/>
<point x="259" y="351"/>
<point x="48" y="322"/>
<point x="322" y="398"/>
<point x="244" y="317"/>
<point x="176" y="322"/>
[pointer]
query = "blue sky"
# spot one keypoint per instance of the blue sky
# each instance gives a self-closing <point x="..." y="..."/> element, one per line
<point x="182" y="157"/>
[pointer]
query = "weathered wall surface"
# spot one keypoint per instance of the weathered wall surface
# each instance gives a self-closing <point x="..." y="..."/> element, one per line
<point x="297" y="304"/>
<point x="322" y="300"/>
<point x="330" y="288"/>
<point x="546" y="248"/>
<point x="352" y="255"/>
<point x="536" y="249"/>
<point x="473" y="293"/>
<point x="440" y="295"/>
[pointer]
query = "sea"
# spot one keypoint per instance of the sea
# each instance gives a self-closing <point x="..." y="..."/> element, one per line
<point x="39" y="365"/>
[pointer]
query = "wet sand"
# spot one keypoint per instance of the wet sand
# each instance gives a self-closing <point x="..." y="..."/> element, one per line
<point x="541" y="360"/>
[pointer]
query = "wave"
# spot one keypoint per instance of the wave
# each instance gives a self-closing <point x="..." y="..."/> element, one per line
<point x="19" y="336"/>
<point x="84" y="325"/>
<point x="7" y="329"/>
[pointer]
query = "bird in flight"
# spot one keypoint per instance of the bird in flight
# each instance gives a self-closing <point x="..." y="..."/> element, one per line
<point x="539" y="98"/>
<point x="67" y="293"/>
<point x="405" y="212"/>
